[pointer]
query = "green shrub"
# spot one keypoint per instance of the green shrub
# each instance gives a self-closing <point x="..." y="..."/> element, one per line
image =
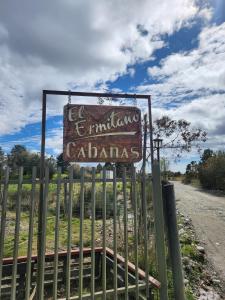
<point x="212" y="172"/>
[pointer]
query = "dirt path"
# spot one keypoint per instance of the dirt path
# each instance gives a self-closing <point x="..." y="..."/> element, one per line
<point x="208" y="216"/>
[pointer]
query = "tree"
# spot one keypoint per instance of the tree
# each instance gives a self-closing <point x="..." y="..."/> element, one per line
<point x="206" y="155"/>
<point x="178" y="135"/>
<point x="51" y="163"/>
<point x="212" y="172"/>
<point x="76" y="171"/>
<point x="120" y="166"/>
<point x="99" y="168"/>
<point x="62" y="163"/>
<point x="2" y="161"/>
<point x="108" y="165"/>
<point x="2" y="157"/>
<point x="192" y="168"/>
<point x="18" y="157"/>
<point x="191" y="171"/>
<point x="164" y="164"/>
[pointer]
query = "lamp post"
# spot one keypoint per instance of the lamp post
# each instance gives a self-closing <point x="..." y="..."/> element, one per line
<point x="157" y="145"/>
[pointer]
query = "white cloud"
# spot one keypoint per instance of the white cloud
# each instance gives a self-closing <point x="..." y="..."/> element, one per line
<point x="32" y="143"/>
<point x="63" y="44"/>
<point x="206" y="113"/>
<point x="54" y="140"/>
<point x="191" y="85"/>
<point x="131" y="71"/>
<point x="196" y="73"/>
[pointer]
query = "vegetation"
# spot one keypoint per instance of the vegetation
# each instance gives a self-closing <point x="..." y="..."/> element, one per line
<point x="50" y="231"/>
<point x="209" y="171"/>
<point x="178" y="135"/>
<point x="197" y="270"/>
<point x="19" y="156"/>
<point x="212" y="172"/>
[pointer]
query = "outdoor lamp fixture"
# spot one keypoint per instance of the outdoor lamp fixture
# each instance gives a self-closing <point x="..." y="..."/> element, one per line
<point x="157" y="145"/>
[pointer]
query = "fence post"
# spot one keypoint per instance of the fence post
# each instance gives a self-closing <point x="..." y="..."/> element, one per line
<point x="41" y="208"/>
<point x="173" y="240"/>
<point x="159" y="230"/>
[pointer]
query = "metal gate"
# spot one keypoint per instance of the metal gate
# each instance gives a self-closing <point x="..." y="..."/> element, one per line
<point x="96" y="236"/>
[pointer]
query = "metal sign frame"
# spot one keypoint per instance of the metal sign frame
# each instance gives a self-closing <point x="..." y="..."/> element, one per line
<point x="41" y="208"/>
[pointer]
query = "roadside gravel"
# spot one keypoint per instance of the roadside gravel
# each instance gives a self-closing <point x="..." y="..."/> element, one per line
<point x="207" y="213"/>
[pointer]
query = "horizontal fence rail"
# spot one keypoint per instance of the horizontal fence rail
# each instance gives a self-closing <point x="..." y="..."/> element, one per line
<point x="96" y="235"/>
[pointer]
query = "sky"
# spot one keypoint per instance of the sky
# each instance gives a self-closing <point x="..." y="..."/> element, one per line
<point x="173" y="50"/>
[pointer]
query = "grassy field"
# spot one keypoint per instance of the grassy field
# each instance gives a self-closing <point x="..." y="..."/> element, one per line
<point x="50" y="233"/>
<point x="63" y="227"/>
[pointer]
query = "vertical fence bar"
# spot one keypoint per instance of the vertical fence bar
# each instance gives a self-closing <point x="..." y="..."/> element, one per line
<point x="57" y="215"/>
<point x="69" y="235"/>
<point x="30" y="234"/>
<point x="81" y="254"/>
<point x="16" y="234"/>
<point x="43" y="235"/>
<point x="150" y="129"/>
<point x="104" y="235"/>
<point x="125" y="232"/>
<point x="145" y="208"/>
<point x="145" y="235"/>
<point x="93" y="190"/>
<point x="41" y="208"/>
<point x="115" y="233"/>
<point x="159" y="230"/>
<point x="134" y="196"/>
<point x="3" y="221"/>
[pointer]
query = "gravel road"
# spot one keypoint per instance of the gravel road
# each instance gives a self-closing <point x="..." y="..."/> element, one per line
<point x="207" y="212"/>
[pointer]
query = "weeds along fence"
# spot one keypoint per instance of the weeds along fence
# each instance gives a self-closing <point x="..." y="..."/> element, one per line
<point x="98" y="236"/>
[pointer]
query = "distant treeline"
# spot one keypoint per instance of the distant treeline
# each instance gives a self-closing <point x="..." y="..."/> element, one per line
<point x="21" y="156"/>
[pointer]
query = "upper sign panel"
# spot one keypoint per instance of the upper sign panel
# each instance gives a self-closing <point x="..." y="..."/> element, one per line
<point x="94" y="133"/>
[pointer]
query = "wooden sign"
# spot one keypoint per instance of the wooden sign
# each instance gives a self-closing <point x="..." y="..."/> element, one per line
<point x="100" y="133"/>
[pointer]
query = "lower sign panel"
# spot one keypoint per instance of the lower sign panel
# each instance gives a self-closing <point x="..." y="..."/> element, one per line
<point x="94" y="133"/>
